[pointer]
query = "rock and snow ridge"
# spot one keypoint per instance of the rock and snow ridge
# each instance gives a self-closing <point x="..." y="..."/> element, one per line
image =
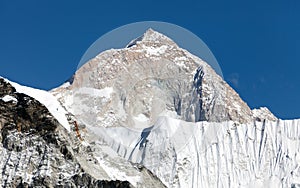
<point x="36" y="150"/>
<point x="47" y="99"/>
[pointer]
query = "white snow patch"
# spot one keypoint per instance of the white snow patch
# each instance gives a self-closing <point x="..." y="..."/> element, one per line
<point x="8" y="98"/>
<point x="116" y="174"/>
<point x="141" y="117"/>
<point x="65" y="85"/>
<point x="150" y="50"/>
<point x="182" y="58"/>
<point x="180" y="61"/>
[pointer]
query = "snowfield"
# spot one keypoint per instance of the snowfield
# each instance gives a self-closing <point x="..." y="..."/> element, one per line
<point x="203" y="154"/>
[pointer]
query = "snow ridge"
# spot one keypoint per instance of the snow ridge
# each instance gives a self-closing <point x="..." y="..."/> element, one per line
<point x="46" y="99"/>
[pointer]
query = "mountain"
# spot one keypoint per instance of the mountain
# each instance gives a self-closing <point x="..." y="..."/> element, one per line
<point x="148" y="115"/>
<point x="37" y="150"/>
<point x="172" y="80"/>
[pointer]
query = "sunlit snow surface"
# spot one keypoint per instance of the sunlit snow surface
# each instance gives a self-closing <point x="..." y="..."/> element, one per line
<point x="184" y="154"/>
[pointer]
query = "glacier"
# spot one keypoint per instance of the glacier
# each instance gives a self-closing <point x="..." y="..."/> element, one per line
<point x="206" y="154"/>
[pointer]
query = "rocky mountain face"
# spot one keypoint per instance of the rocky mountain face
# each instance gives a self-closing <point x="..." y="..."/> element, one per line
<point x="149" y="78"/>
<point x="37" y="151"/>
<point x="148" y="115"/>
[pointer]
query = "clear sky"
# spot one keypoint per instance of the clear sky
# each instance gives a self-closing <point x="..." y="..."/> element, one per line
<point x="256" y="43"/>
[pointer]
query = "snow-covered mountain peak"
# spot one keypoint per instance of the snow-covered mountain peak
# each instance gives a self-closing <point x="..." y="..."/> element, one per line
<point x="152" y="77"/>
<point x="152" y="38"/>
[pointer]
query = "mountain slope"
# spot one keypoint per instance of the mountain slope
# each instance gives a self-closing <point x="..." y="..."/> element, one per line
<point x="158" y="105"/>
<point x="36" y="150"/>
<point x="153" y="77"/>
<point x="227" y="154"/>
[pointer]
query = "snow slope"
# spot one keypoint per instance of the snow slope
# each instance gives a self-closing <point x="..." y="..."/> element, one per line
<point x="47" y="99"/>
<point x="203" y="154"/>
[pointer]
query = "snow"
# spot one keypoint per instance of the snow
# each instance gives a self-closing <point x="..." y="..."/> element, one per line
<point x="65" y="85"/>
<point x="262" y="113"/>
<point x="207" y="154"/>
<point x="47" y="99"/>
<point x="8" y="98"/>
<point x="182" y="58"/>
<point x="180" y="61"/>
<point x="141" y="118"/>
<point x="105" y="92"/>
<point x="116" y="174"/>
<point x="155" y="51"/>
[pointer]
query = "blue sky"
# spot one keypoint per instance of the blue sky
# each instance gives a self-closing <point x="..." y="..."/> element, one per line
<point x="256" y="43"/>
